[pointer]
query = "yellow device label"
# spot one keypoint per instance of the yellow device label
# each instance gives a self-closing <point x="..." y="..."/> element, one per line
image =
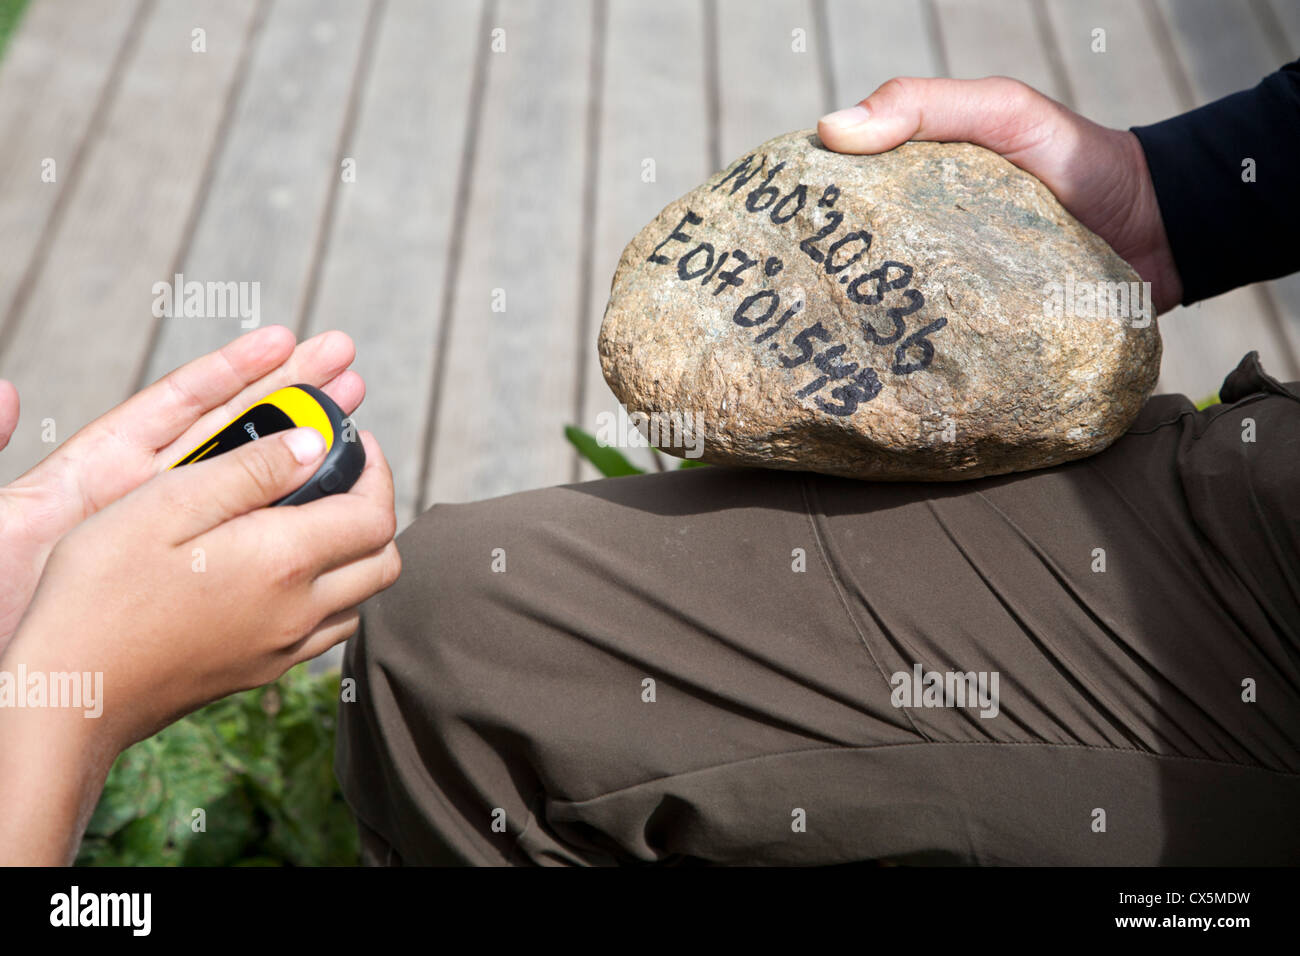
<point x="279" y="411"/>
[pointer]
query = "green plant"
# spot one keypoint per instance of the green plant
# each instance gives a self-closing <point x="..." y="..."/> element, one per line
<point x="257" y="769"/>
<point x="1207" y="402"/>
<point x="610" y="462"/>
<point x="10" y="13"/>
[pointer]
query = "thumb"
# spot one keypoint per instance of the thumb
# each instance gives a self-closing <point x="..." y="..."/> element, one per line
<point x="998" y="113"/>
<point x="207" y="493"/>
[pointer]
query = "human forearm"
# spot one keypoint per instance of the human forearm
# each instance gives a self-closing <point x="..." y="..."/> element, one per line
<point x="1224" y="178"/>
<point x="53" y="763"/>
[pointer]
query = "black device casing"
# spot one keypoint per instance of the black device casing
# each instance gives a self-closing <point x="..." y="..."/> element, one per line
<point x="343" y="462"/>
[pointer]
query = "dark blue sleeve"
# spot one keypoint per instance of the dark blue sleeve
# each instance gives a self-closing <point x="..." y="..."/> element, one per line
<point x="1223" y="230"/>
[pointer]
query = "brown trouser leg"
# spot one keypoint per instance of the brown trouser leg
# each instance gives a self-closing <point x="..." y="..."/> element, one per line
<point x="717" y="665"/>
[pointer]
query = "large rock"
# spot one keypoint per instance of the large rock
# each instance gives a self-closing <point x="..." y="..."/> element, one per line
<point x="921" y="314"/>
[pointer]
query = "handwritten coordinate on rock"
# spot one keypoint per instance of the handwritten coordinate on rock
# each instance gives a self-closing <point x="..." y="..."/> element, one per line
<point x="877" y="316"/>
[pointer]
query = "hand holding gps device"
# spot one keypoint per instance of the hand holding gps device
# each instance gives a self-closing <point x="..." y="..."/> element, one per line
<point x="293" y="407"/>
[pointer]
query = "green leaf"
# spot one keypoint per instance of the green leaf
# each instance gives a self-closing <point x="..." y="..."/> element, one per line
<point x="196" y="777"/>
<point x="608" y="461"/>
<point x="261" y="767"/>
<point x="681" y="462"/>
<point x="1207" y="402"/>
<point x="144" y="841"/>
<point x="97" y="851"/>
<point x="11" y="12"/>
<point x="133" y="789"/>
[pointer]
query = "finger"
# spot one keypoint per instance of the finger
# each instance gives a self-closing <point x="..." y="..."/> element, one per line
<point x="348" y="389"/>
<point x="159" y="413"/>
<point x="333" y="630"/>
<point x="334" y="530"/>
<point x="318" y="360"/>
<point x="998" y="113"/>
<point x="8" y="411"/>
<point x="198" y="497"/>
<point x="356" y="581"/>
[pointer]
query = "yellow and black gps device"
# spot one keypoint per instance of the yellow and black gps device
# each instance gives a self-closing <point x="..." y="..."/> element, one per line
<point x="297" y="406"/>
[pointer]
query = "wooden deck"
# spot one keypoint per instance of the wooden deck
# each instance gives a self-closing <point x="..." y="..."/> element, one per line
<point x="478" y="170"/>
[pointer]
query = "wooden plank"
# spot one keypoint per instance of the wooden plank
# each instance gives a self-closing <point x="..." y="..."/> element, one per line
<point x="998" y="37"/>
<point x="1221" y="43"/>
<point x="386" y="261"/>
<point x="84" y="327"/>
<point x="1223" y="47"/>
<point x="1286" y="14"/>
<point x="54" y="71"/>
<point x="510" y="377"/>
<point x="262" y="218"/>
<point x="1286" y="297"/>
<point x="1204" y="342"/>
<point x="871" y="42"/>
<point x="765" y="86"/>
<point x="653" y="109"/>
<point x="1127" y="84"/>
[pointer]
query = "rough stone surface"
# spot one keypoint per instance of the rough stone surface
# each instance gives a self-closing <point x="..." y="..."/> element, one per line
<point x="757" y="303"/>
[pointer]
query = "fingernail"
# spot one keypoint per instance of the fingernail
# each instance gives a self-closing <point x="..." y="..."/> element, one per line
<point x="847" y="119"/>
<point x="305" y="444"/>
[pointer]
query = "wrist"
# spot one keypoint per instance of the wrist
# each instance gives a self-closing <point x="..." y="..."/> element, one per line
<point x="54" y="757"/>
<point x="1153" y="258"/>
